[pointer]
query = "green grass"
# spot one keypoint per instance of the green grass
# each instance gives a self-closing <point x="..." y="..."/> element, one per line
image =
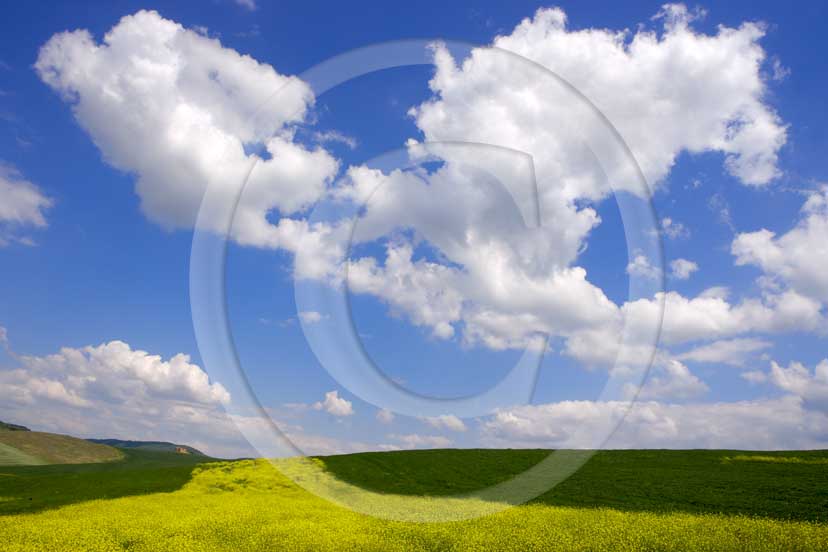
<point x="51" y="448"/>
<point x="698" y="481"/>
<point x="620" y="500"/>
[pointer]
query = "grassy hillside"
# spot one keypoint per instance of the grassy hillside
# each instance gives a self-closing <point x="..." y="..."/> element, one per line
<point x="34" y="447"/>
<point x="12" y="427"/>
<point x="621" y="500"/>
<point x="10" y="456"/>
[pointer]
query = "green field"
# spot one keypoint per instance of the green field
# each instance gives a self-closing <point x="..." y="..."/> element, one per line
<point x="620" y="500"/>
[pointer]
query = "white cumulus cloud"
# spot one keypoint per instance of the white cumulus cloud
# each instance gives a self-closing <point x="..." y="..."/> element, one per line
<point x="178" y="109"/>
<point x="646" y="83"/>
<point x="772" y="424"/>
<point x="797" y="379"/>
<point x="796" y="258"/>
<point x="114" y="390"/>
<point x="641" y="266"/>
<point x="22" y="205"/>
<point x="726" y="351"/>
<point x="669" y="379"/>
<point x="496" y="279"/>
<point x="335" y="405"/>
<point x="681" y="269"/>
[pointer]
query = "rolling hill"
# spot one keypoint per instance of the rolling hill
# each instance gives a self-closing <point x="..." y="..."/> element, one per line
<point x="160" y="446"/>
<point x="12" y="427"/>
<point x="19" y="446"/>
<point x="24" y="447"/>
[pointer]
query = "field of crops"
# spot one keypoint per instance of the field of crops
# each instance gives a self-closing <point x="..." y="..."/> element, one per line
<point x="621" y="500"/>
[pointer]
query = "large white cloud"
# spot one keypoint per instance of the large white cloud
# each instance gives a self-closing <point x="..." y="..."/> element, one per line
<point x="776" y="424"/>
<point x="711" y="316"/>
<point x="492" y="262"/>
<point x="114" y="390"/>
<point x="668" y="379"/>
<point x="707" y="317"/>
<point x="113" y="372"/>
<point x="668" y="92"/>
<point x="492" y="272"/>
<point x="498" y="282"/>
<point x="726" y="351"/>
<point x="22" y="205"/>
<point x="177" y="109"/>
<point x="796" y="258"/>
<point x="797" y="379"/>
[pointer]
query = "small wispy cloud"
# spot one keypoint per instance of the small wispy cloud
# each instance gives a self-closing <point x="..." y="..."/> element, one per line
<point x="721" y="208"/>
<point x="446" y="421"/>
<point x="778" y="71"/>
<point x="674" y="229"/>
<point x="385" y="416"/>
<point x="335" y="136"/>
<point x="253" y="32"/>
<point x="311" y="317"/>
<point x="247" y="4"/>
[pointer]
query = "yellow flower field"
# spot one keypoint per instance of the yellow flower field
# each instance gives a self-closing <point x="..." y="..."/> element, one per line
<point x="249" y="505"/>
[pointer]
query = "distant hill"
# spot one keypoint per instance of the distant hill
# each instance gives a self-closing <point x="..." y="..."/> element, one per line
<point x="12" y="427"/>
<point x="23" y="447"/>
<point x="19" y="446"/>
<point x="162" y="446"/>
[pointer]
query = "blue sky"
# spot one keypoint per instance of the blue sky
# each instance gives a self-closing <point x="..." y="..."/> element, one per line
<point x="111" y="259"/>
